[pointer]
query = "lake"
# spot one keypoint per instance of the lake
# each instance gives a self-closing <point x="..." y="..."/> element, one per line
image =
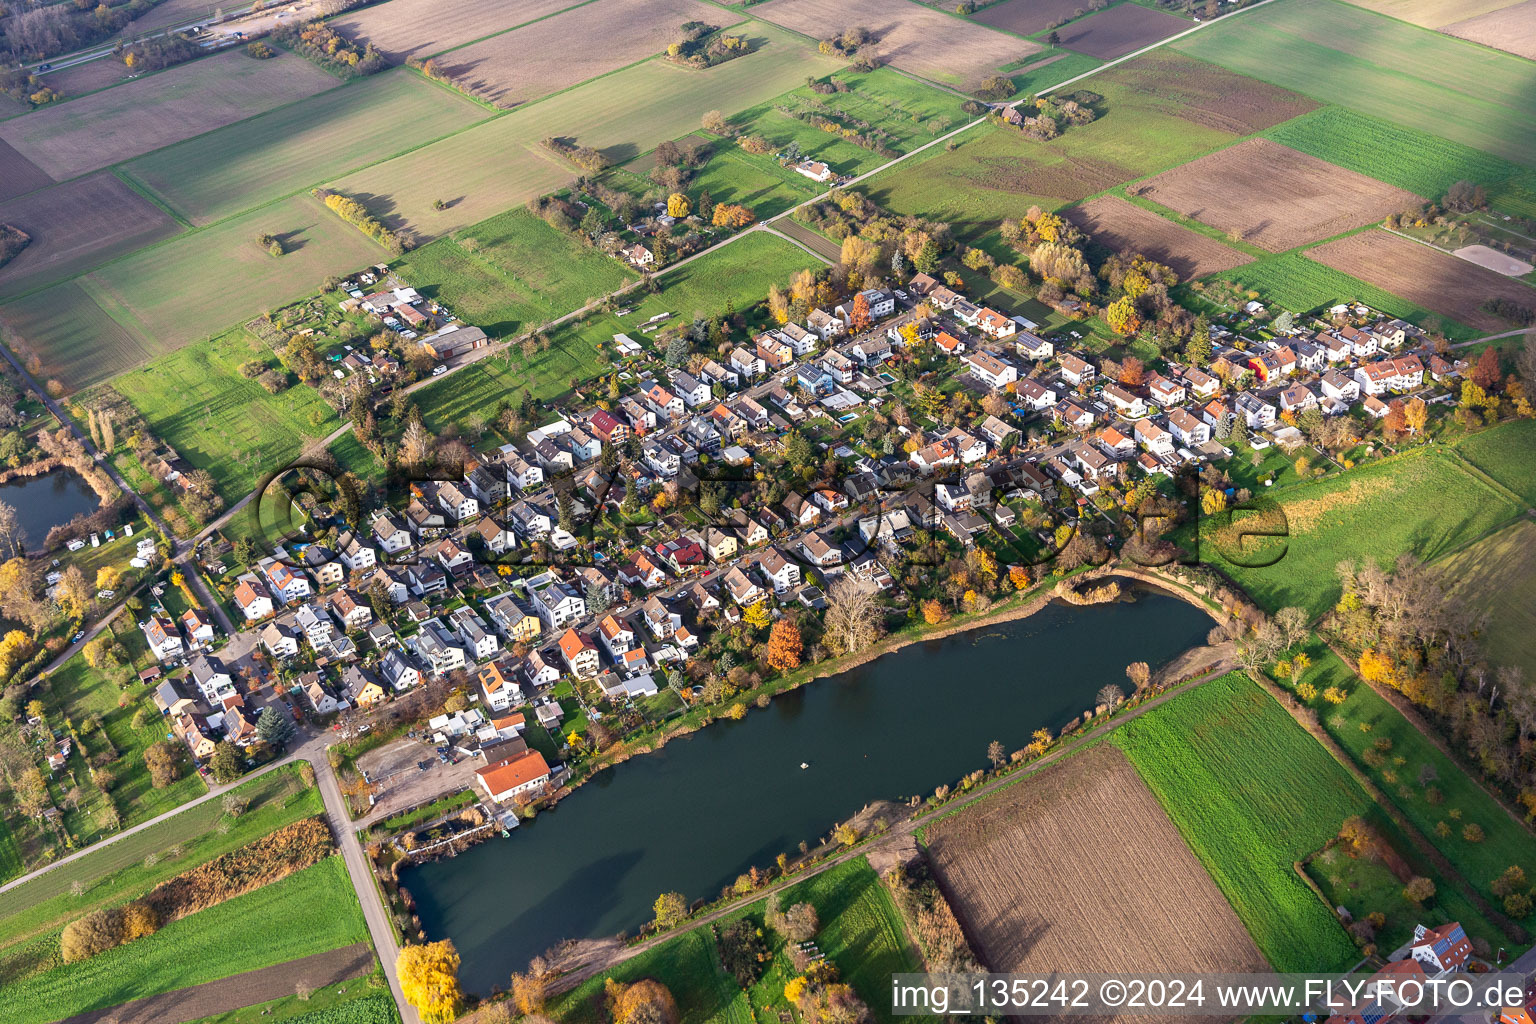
<point x="700" y="811"/>
<point x="43" y="502"/>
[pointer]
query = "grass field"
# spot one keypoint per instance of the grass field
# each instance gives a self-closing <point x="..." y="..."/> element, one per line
<point x="740" y="274"/>
<point x="118" y="871"/>
<point x="1337" y="53"/>
<point x="996" y="172"/>
<point x="1462" y="801"/>
<point x="316" y="909"/>
<point x="1497" y="577"/>
<point x="861" y="931"/>
<point x="1420" y="502"/>
<point x="1506" y="453"/>
<point x="1251" y="793"/>
<point x="74" y="337"/>
<point x="345" y="1002"/>
<point x="117" y="124"/>
<point x="196" y="400"/>
<point x="1044" y="75"/>
<point x="223" y="172"/>
<point x="1298" y="284"/>
<point x="198" y="284"/>
<point x="511" y="272"/>
<point x="1407" y="157"/>
<point x="497" y="165"/>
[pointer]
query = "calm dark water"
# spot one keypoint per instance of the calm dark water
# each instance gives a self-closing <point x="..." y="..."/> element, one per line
<point x="43" y="502"/>
<point x="699" y="812"/>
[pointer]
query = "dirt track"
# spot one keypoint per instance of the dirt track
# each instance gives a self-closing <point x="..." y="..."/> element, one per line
<point x="246" y="989"/>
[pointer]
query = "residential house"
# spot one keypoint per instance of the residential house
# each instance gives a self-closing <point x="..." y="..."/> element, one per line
<point x="319" y="698"/>
<point x="488" y="483"/>
<point x="714" y="373"/>
<point x="1257" y="413"/>
<point x="743" y="590"/>
<point x="1076" y="370"/>
<point x="820" y="551"/>
<point x="211" y="678"/>
<point x="800" y="340"/>
<point x="1165" y="392"/>
<point x="1297" y="399"/>
<point x="774" y="351"/>
<point x="990" y="370"/>
<point x="1339" y="386"/>
<point x="824" y="325"/>
<point x="524" y="475"/>
<point x="424" y="520"/>
<point x="281" y="639"/>
<point x="251" y="598"/>
<point x="498" y="685"/>
<point x="514" y="777"/>
<point x="781" y="573"/>
<point x="441" y="649"/>
<point x="1401" y="374"/>
<point x="1114" y="441"/>
<point x="163" y="638"/>
<point x="691" y="390"/>
<point x="457" y="502"/>
<point x="660" y="620"/>
<point x="1035" y="395"/>
<point x="1187" y="429"/>
<point x="1200" y="383"/>
<point x="1032" y="346"/>
<point x="426" y="578"/>
<point x="580" y="654"/>
<point x="994" y="325"/>
<point x="356" y="555"/>
<point x="557" y="602"/>
<point x="397" y="669"/>
<point x="642" y="571"/>
<point x="720" y="545"/>
<point x="513" y="618"/>
<point x="1154" y="438"/>
<point x="1442" y="949"/>
<point x="284" y="582"/>
<point x="361" y="688"/>
<point x="474" y="633"/>
<point x="1075" y="416"/>
<point x="615" y="636"/>
<point x="1125" y="403"/>
<point x="748" y="364"/>
<point x="870" y="351"/>
<point x="315" y="625"/>
<point x="350" y="610"/>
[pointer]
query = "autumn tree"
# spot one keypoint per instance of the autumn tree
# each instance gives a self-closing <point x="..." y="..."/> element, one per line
<point x="646" y="1001"/>
<point x="161" y="760"/>
<point x="670" y="908"/>
<point x="1485" y="372"/>
<point x="73" y="593"/>
<point x="858" y="316"/>
<point x="223" y="764"/>
<point x="1132" y="372"/>
<point x="1122" y="317"/>
<point x="677" y="205"/>
<point x="853" y="619"/>
<point x="784" y="646"/>
<point x="1416" y="414"/>
<point x="1139" y="673"/>
<point x="997" y="753"/>
<point x="933" y="611"/>
<point x="429" y="979"/>
<point x="1419" y="889"/>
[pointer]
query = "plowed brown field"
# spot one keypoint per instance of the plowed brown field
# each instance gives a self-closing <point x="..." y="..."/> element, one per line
<point x="1273" y="196"/>
<point x="914" y="38"/>
<point x="1079" y="869"/>
<point x="420" y="28"/>
<point x="1206" y="94"/>
<point x="1512" y="29"/>
<point x="536" y="60"/>
<point x="1113" y="222"/>
<point x="1120" y="30"/>
<point x="1433" y="279"/>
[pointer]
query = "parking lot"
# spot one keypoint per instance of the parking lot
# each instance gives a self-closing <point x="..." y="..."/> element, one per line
<point x="400" y="784"/>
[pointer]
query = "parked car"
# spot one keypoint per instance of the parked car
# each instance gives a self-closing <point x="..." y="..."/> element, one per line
<point x="439" y="370"/>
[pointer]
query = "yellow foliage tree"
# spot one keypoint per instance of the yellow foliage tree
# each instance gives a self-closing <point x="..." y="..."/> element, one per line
<point x="429" y="978"/>
<point x="1122" y="317"/>
<point x="757" y="615"/>
<point x="678" y="205"/>
<point x="933" y="612"/>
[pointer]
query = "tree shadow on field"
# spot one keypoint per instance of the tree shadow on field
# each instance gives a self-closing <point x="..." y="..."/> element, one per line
<point x="382" y="207"/>
<point x="292" y="241"/>
<point x="621" y="153"/>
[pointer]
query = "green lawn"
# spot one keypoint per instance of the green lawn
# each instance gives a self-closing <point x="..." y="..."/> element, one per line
<point x="1338" y="53"/>
<point x="511" y="272"/>
<point x="739" y="274"/>
<point x="1421" y="502"/>
<point x="861" y="931"/>
<point x="222" y="172"/>
<point x="196" y="400"/>
<point x="1507" y="453"/>
<point x="1034" y="79"/>
<point x="315" y="908"/>
<point x="118" y="871"/>
<point x="1461" y="800"/>
<point x="1407" y="156"/>
<point x="1299" y="284"/>
<point x="1251" y="793"/>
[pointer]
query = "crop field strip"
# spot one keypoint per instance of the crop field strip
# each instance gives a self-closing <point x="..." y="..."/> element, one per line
<point x="1446" y="284"/>
<point x="231" y="169"/>
<point x="77" y="226"/>
<point x="1274" y="197"/>
<point x="72" y="335"/>
<point x="18" y="175"/>
<point x="917" y="39"/>
<point x="1430" y="13"/>
<point x="1511" y="29"/>
<point x="1496" y="577"/>
<point x="514" y="67"/>
<point x="422" y="28"/>
<point x="1342" y="54"/>
<point x="135" y="118"/>
<point x="1121" y="29"/>
<point x="1080" y="864"/>
<point x="1116" y="224"/>
<point x="496" y="165"/>
<point x="1026" y="17"/>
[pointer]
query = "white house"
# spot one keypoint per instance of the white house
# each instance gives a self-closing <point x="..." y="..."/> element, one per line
<point x="990" y="370"/>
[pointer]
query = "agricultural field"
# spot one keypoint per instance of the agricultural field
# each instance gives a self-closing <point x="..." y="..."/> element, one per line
<point x="316" y="906"/>
<point x="1407" y="157"/>
<point x="487" y="169"/>
<point x="1294" y="282"/>
<point x="1121" y="29"/>
<point x="862" y="933"/>
<point x="1206" y="93"/>
<point x="515" y="67"/>
<point x="759" y="183"/>
<point x="1422" y="501"/>
<point x="1450" y="286"/>
<point x="809" y="238"/>
<point x="1274" y="197"/>
<point x="76" y="226"/>
<point x="1496" y="577"/>
<point x="77" y="342"/>
<point x="1026" y="17"/>
<point x="1507" y="453"/>
<point x="119" y="124"/>
<point x="89" y="77"/>
<point x="739" y="274"/>
<point x="996" y="172"/>
<point x="511" y="272"/>
<point x="117" y="872"/>
<point x="193" y="286"/>
<point x="1079" y="865"/>
<point x="917" y="39"/>
<point x="1116" y="224"/>
<point x="223" y="172"/>
<point x="1341" y="54"/>
<point x="1430" y="13"/>
<point x="421" y="28"/>
<point x="1251" y="793"/>
<point x="1511" y="29"/>
<point x="18" y="175"/>
<point x="1045" y="75"/>
<point x="198" y="402"/>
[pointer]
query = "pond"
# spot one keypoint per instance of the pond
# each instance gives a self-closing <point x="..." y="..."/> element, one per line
<point x="700" y="811"/>
<point x="43" y="502"/>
